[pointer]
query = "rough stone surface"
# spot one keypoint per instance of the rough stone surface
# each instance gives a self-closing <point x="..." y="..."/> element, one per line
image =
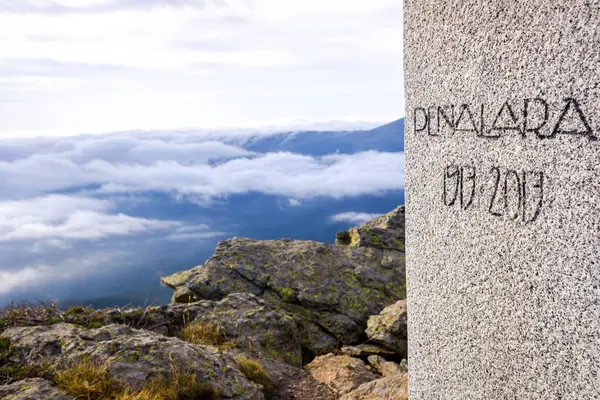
<point x="386" y="368"/>
<point x="245" y="319"/>
<point x="389" y="327"/>
<point x="333" y="289"/>
<point x="292" y="383"/>
<point x="366" y="350"/>
<point x="393" y="387"/>
<point x="503" y="215"/>
<point x="342" y="373"/>
<point x="134" y="355"/>
<point x="32" y="389"/>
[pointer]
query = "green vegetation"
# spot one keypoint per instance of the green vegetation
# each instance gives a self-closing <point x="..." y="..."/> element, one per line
<point x="286" y="294"/>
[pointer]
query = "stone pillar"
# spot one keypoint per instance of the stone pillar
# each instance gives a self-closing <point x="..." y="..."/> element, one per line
<point x="503" y="198"/>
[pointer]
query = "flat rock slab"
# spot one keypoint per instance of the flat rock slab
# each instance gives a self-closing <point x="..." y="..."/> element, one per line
<point x="333" y="289"/>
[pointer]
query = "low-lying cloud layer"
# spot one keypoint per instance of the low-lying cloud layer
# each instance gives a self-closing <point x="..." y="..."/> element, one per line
<point x="138" y="165"/>
<point x="75" y="198"/>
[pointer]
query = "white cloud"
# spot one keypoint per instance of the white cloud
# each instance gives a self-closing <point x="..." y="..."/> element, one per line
<point x="294" y="203"/>
<point x="282" y="174"/>
<point x="186" y="166"/>
<point x="109" y="65"/>
<point x="352" y="217"/>
<point x="71" y="218"/>
<point x="10" y="281"/>
<point x="196" y="232"/>
<point x="70" y="268"/>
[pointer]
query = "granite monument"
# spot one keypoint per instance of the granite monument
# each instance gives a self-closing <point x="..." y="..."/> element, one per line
<point x="503" y="198"/>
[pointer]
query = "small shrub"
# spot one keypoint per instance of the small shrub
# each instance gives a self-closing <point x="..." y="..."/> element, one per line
<point x="76" y="310"/>
<point x="255" y="372"/>
<point x="286" y="294"/>
<point x="206" y="333"/>
<point x="4" y="343"/>
<point x="5" y="350"/>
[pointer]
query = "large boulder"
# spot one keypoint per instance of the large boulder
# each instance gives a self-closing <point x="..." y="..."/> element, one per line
<point x="342" y="373"/>
<point x="134" y="356"/>
<point x="333" y="289"/>
<point x="389" y="327"/>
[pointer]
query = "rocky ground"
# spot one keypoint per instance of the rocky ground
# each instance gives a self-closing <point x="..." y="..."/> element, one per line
<point x="279" y="319"/>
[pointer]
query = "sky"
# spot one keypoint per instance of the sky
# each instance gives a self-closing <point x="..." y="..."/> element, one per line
<point x="92" y="66"/>
<point x="160" y="84"/>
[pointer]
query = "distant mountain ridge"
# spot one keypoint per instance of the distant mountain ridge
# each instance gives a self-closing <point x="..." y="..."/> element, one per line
<point x="386" y="138"/>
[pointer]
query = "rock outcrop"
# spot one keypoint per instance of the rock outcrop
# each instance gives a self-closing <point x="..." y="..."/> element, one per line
<point x="245" y="319"/>
<point x="135" y="355"/>
<point x="332" y="289"/>
<point x="389" y="327"/>
<point x="241" y="325"/>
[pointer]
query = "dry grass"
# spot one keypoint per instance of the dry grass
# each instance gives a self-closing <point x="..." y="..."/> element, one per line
<point x="206" y="333"/>
<point x="178" y="385"/>
<point x="255" y="372"/>
<point x="27" y="314"/>
<point x="89" y="380"/>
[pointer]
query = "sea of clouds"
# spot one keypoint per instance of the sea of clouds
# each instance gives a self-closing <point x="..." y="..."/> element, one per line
<point x="69" y="206"/>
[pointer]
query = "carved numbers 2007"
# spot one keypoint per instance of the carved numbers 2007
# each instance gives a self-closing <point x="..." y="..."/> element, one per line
<point x="506" y="193"/>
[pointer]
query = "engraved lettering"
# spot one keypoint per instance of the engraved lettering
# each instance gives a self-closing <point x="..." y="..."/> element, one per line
<point x="535" y="117"/>
<point x="559" y="129"/>
<point x="465" y="108"/>
<point x="529" y="116"/>
<point x="533" y="187"/>
<point x="502" y="123"/>
<point x="448" y="120"/>
<point x="495" y="170"/>
<point x="467" y="186"/>
<point x="425" y="119"/>
<point x="452" y="171"/>
<point x="512" y="198"/>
